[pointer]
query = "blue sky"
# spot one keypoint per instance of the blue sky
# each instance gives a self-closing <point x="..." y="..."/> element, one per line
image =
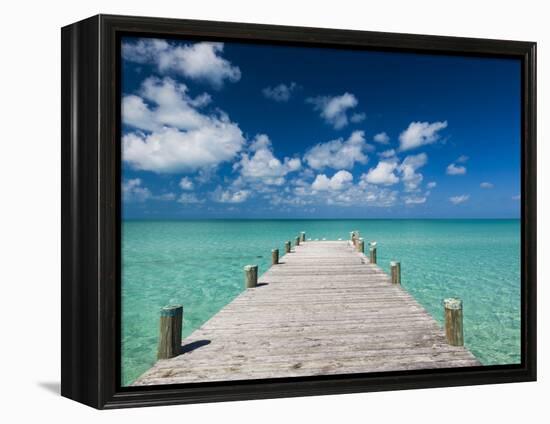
<point x="231" y="130"/>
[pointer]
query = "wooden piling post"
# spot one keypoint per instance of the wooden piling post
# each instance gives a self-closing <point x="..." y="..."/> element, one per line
<point x="287" y="247"/>
<point x="297" y="241"/>
<point x="250" y="276"/>
<point x="395" y="268"/>
<point x="274" y="256"/>
<point x="171" y="321"/>
<point x="372" y="254"/>
<point x="302" y="236"/>
<point x="453" y="321"/>
<point x="361" y="246"/>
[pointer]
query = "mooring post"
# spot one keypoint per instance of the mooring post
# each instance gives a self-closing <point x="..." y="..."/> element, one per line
<point x="361" y="246"/>
<point x="288" y="246"/>
<point x="355" y="237"/>
<point x="395" y="268"/>
<point x="297" y="241"/>
<point x="171" y="321"/>
<point x="274" y="256"/>
<point x="453" y="321"/>
<point x="250" y="276"/>
<point x="303" y="236"/>
<point x="372" y="253"/>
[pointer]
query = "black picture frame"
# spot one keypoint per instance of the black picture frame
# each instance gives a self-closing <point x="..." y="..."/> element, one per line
<point x="91" y="211"/>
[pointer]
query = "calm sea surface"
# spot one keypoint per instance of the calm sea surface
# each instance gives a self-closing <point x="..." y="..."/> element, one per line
<point x="199" y="264"/>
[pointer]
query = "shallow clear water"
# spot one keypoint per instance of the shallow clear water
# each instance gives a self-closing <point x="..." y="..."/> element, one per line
<point x="199" y="264"/>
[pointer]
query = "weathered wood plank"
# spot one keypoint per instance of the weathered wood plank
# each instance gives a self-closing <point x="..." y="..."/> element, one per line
<point x="323" y="309"/>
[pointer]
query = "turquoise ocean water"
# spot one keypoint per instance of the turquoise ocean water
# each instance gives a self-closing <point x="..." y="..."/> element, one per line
<point x="199" y="264"/>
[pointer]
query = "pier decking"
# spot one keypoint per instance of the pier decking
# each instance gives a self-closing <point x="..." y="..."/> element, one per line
<point x="324" y="309"/>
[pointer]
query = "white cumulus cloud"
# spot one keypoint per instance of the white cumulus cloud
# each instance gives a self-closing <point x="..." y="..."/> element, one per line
<point x="171" y="134"/>
<point x="382" y="138"/>
<point x="383" y="173"/>
<point x="373" y="188"/>
<point x="431" y="184"/>
<point x="415" y="200"/>
<point x="197" y="61"/>
<point x="133" y="190"/>
<point x="230" y="196"/>
<point x="457" y="200"/>
<point x="164" y="103"/>
<point x="339" y="153"/>
<point x="280" y="93"/>
<point x="412" y="179"/>
<point x="390" y="153"/>
<point x="337" y="182"/>
<point x="486" y="185"/>
<point x="338" y="190"/>
<point x="390" y="171"/>
<point x="364" y="194"/>
<point x="261" y="164"/>
<point x="186" y="183"/>
<point x="334" y="109"/>
<point x="419" y="134"/>
<point x="453" y="169"/>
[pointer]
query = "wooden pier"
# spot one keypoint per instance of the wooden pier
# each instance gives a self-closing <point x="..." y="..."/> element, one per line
<point x="321" y="309"/>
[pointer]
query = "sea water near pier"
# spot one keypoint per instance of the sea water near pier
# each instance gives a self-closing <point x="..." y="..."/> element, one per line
<point x="199" y="264"/>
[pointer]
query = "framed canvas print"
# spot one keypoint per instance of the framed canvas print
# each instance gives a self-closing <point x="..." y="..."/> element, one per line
<point x="254" y="211"/>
